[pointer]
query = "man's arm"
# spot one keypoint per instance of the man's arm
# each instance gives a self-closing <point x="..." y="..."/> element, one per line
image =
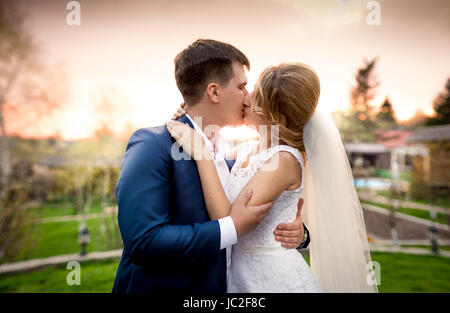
<point x="143" y="196"/>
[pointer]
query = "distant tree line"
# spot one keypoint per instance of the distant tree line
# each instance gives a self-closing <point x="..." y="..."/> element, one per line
<point x="359" y="123"/>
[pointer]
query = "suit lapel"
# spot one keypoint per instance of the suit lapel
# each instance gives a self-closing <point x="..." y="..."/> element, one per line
<point x="186" y="120"/>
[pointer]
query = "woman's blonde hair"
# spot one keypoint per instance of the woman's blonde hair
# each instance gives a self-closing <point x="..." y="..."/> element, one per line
<point x="288" y="91"/>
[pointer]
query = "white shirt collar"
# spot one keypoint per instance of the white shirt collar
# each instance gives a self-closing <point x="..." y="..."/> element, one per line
<point x="218" y="155"/>
<point x="217" y="145"/>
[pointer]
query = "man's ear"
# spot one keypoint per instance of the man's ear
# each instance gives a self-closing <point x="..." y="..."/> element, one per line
<point x="213" y="91"/>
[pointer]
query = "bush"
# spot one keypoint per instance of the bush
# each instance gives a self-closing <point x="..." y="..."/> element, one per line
<point x="16" y="225"/>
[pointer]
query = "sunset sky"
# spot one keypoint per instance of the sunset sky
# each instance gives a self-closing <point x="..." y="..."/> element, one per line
<point x="130" y="46"/>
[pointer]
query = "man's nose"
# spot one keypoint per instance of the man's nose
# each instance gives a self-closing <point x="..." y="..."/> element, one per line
<point x="246" y="100"/>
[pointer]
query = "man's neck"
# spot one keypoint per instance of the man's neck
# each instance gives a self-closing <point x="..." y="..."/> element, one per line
<point x="198" y="113"/>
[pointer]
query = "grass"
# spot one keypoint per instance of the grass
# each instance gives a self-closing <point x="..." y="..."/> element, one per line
<point x="56" y="238"/>
<point x="443" y="248"/>
<point x="62" y="238"/>
<point x="56" y="208"/>
<point x="402" y="272"/>
<point x="438" y="201"/>
<point x="380" y="173"/>
<point x="95" y="276"/>
<point x="441" y="218"/>
<point x="426" y="247"/>
<point x="413" y="273"/>
<point x="399" y="273"/>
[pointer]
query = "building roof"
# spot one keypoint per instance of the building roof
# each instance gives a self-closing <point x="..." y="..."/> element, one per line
<point x="392" y="138"/>
<point x="431" y="133"/>
<point x="370" y="148"/>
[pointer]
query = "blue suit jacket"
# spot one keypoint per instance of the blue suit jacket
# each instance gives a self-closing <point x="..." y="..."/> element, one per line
<point x="169" y="241"/>
<point x="170" y="244"/>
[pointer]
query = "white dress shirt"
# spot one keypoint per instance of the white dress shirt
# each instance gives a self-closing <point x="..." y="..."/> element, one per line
<point x="218" y="148"/>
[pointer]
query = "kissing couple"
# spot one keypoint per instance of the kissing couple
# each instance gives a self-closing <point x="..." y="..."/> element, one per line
<point x="223" y="219"/>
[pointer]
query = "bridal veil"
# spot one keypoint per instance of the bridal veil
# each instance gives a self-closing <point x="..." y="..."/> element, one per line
<point x="339" y="250"/>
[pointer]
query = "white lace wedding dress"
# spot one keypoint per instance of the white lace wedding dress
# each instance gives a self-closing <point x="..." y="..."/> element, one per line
<point x="258" y="262"/>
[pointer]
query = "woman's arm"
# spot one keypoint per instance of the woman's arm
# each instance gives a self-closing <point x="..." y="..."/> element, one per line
<point x="267" y="184"/>
<point x="217" y="203"/>
<point x="216" y="200"/>
<point x="269" y="181"/>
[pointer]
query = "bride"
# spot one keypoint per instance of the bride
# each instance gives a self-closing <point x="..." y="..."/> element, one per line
<point x="300" y="154"/>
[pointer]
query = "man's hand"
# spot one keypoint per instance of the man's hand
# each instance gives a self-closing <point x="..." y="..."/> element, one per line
<point x="246" y="218"/>
<point x="291" y="235"/>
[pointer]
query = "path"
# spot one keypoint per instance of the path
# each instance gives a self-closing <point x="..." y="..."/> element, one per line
<point x="65" y="218"/>
<point x="24" y="266"/>
<point x="373" y="197"/>
<point x="28" y="265"/>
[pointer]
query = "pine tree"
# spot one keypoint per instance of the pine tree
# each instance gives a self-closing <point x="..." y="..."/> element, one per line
<point x="386" y="116"/>
<point x="441" y="106"/>
<point x="360" y="97"/>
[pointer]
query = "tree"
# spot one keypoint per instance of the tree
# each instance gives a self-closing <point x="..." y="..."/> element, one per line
<point x="351" y="128"/>
<point x="417" y="120"/>
<point x="29" y="89"/>
<point x="386" y="116"/>
<point x="441" y="105"/>
<point x="358" y="125"/>
<point x="364" y="91"/>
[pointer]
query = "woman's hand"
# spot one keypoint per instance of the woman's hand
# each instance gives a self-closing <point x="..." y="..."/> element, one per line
<point x="180" y="111"/>
<point x="191" y="141"/>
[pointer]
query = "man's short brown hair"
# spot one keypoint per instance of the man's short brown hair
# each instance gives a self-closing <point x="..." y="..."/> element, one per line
<point x="204" y="61"/>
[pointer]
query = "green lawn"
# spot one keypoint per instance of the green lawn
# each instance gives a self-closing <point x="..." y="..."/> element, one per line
<point x="380" y="173"/>
<point x="399" y="273"/>
<point x="413" y="273"/>
<point x="55" y="238"/>
<point x="95" y="277"/>
<point x="442" y="201"/>
<point x="402" y="272"/>
<point x="61" y="238"/>
<point x="441" y="218"/>
<point x="54" y="208"/>
<point x="443" y="248"/>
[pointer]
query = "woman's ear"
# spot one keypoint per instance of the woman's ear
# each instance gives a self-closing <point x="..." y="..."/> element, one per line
<point x="213" y="92"/>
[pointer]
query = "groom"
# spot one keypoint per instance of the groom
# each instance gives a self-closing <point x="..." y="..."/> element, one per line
<point x="170" y="244"/>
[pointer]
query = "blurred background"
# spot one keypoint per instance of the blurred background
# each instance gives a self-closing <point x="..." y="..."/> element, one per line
<point x="78" y="77"/>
